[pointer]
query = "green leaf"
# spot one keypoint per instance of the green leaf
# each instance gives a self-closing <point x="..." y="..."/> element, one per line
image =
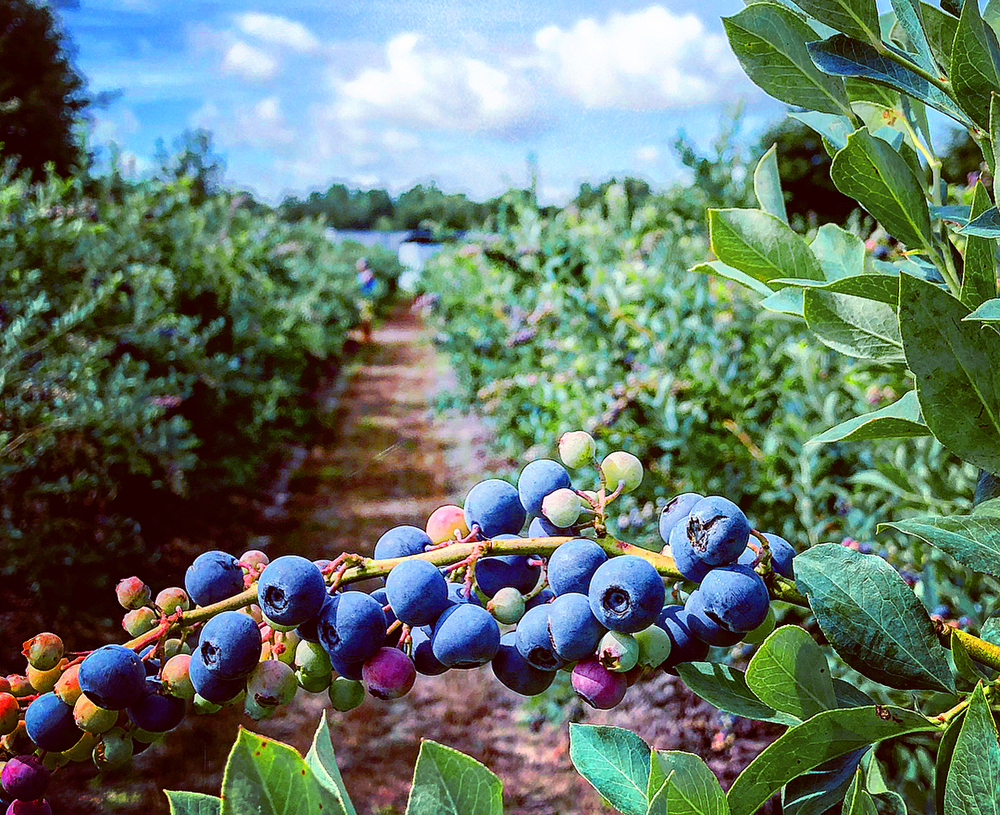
<point x="882" y="288"/>
<point x="786" y="301"/>
<point x="267" y="777"/>
<point x="957" y="371"/>
<point x="876" y="176"/>
<point x="992" y="144"/>
<point x="988" y="312"/>
<point x="769" y="40"/>
<point x="850" y="696"/>
<point x="833" y="128"/>
<point x="615" y="761"/>
<point x="840" y="254"/>
<point x="717" y="267"/>
<point x="447" y="782"/>
<point x="814" y="792"/>
<point x="973" y="541"/>
<point x="940" y="29"/>
<point x="973" y="73"/>
<point x="973" y="785"/>
<point x="767" y="185"/>
<point x="872" y="618"/>
<point x="726" y="688"/>
<point x="986" y="225"/>
<point x="760" y="245"/>
<point x="825" y="736"/>
<point x="911" y="21"/>
<point x="858" y="801"/>
<point x="846" y="57"/>
<point x="855" y="326"/>
<point x="192" y="803"/>
<point x="955" y="213"/>
<point x="901" y="419"/>
<point x="946" y="748"/>
<point x="789" y="672"/>
<point x="683" y="786"/>
<point x="323" y="763"/>
<point x="979" y="280"/>
<point x="857" y="18"/>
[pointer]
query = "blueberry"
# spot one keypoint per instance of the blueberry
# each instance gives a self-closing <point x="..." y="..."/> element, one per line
<point x="24" y="777"/>
<point x="290" y="590"/>
<point x="542" y="527"/>
<point x="423" y="654"/>
<point x="676" y="512"/>
<point x="685" y="646"/>
<point x="573" y="630"/>
<point x="626" y="593"/>
<point x="515" y="672"/>
<point x="347" y="669"/>
<point x="597" y="686"/>
<point x="271" y="684"/>
<point x="465" y="636"/>
<point x="351" y="627"/>
<point x="573" y="564"/>
<point x="155" y="710"/>
<point x="389" y="674"/>
<point x="538" y="479"/>
<point x="942" y="611"/>
<point x="705" y="625"/>
<point x="718" y="530"/>
<point x="19" y="807"/>
<point x="112" y="677"/>
<point x="417" y="591"/>
<point x="401" y="541"/>
<point x="346" y="694"/>
<point x="495" y="507"/>
<point x="50" y="724"/>
<point x="736" y="597"/>
<point x="495" y="573"/>
<point x="544" y="597"/>
<point x="212" y="577"/>
<point x="457" y="594"/>
<point x="209" y="686"/>
<point x="533" y="641"/>
<point x="229" y="645"/>
<point x="685" y="558"/>
<point x="782" y="553"/>
<point x="383" y="600"/>
<point x="309" y="629"/>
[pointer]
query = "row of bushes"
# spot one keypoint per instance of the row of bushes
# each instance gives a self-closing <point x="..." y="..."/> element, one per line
<point x="156" y="345"/>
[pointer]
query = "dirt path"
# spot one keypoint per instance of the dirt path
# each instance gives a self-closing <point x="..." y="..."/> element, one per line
<point x="386" y="459"/>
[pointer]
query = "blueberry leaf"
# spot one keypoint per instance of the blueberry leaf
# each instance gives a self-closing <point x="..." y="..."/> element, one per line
<point x="973" y="541"/>
<point x="448" y="782"/>
<point x="814" y="792"/>
<point x="682" y="784"/>
<point x="979" y="279"/>
<point x="858" y="18"/>
<point x="615" y="761"/>
<point x="855" y="326"/>
<point x="988" y="312"/>
<point x="767" y="185"/>
<point x="973" y="784"/>
<point x="789" y="672"/>
<point x="726" y="688"/>
<point x="192" y="803"/>
<point x="901" y="419"/>
<point x="760" y="245"/>
<point x="323" y="763"/>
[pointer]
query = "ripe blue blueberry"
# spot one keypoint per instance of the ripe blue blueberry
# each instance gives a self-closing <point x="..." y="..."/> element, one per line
<point x="495" y="507"/>
<point x="538" y="479"/>
<point x="685" y="558"/>
<point x="626" y="593"/>
<point x="515" y="672"/>
<point x="112" y="677"/>
<point x="543" y="597"/>
<point x="155" y="710"/>
<point x="781" y="556"/>
<point x="351" y="627"/>
<point x="718" y="530"/>
<point x="25" y="777"/>
<point x="458" y="594"/>
<point x="382" y="599"/>
<point x="417" y="591"/>
<point x="736" y="597"/>
<point x="401" y="541"/>
<point x="573" y="564"/>
<point x="705" y="624"/>
<point x="542" y="527"/>
<point x="229" y="645"/>
<point x="209" y="685"/>
<point x="676" y="512"/>
<point x="212" y="577"/>
<point x="465" y="636"/>
<point x="423" y="654"/>
<point x="290" y="590"/>
<point x="573" y="630"/>
<point x="495" y="573"/>
<point x="50" y="725"/>
<point x="685" y="646"/>
<point x="533" y="641"/>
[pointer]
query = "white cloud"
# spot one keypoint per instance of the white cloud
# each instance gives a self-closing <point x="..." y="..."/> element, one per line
<point x="275" y="30"/>
<point x="647" y="154"/>
<point x="647" y="60"/>
<point x="249" y="62"/>
<point x="262" y="124"/>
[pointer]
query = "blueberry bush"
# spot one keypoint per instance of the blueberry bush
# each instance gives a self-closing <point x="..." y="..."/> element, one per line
<point x="464" y="589"/>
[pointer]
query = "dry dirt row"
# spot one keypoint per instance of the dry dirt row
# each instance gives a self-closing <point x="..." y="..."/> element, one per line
<point x="386" y="459"/>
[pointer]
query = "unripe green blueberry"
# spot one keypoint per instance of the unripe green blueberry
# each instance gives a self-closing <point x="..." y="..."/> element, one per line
<point x="67" y="687"/>
<point x="284" y="646"/>
<point x="8" y="713"/>
<point x="277" y="626"/>
<point x="172" y="599"/>
<point x="53" y="761"/>
<point x="44" y="681"/>
<point x="83" y="750"/>
<point x="271" y="684"/>
<point x="173" y="647"/>
<point x="654" y="646"/>
<point x="562" y="507"/>
<point x="618" y="651"/>
<point x="258" y="712"/>
<point x="132" y="593"/>
<point x="18" y="742"/>
<point x="19" y="685"/>
<point x="507" y="605"/>
<point x="311" y="658"/>
<point x="622" y="468"/>
<point x="113" y="750"/>
<point x="93" y="719"/>
<point x="346" y="694"/>
<point x="576" y="448"/>
<point x="313" y="683"/>
<point x="139" y="621"/>
<point x="762" y="631"/>
<point x="175" y="677"/>
<point x="146" y="736"/>
<point x="202" y="706"/>
<point x="43" y="651"/>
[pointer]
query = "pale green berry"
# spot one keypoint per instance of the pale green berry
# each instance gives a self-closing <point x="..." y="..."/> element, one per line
<point x="762" y="631"/>
<point x="654" y="646"/>
<point x="271" y="684"/>
<point x="202" y="705"/>
<point x="576" y="448"/>
<point x="256" y="711"/>
<point x="507" y="605"/>
<point x="346" y="694"/>
<point x="139" y="621"/>
<point x="113" y="750"/>
<point x="276" y="626"/>
<point x="173" y="599"/>
<point x="83" y="749"/>
<point x="93" y="719"/>
<point x="622" y="468"/>
<point x="313" y="683"/>
<point x="146" y="736"/>
<point x="311" y="658"/>
<point x="618" y="651"/>
<point x="562" y="507"/>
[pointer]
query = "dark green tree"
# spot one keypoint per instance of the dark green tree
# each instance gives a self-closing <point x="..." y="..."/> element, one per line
<point x="41" y="94"/>
<point x="194" y="158"/>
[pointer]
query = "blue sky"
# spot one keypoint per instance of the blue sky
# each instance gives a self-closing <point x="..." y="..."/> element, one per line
<point x="389" y="93"/>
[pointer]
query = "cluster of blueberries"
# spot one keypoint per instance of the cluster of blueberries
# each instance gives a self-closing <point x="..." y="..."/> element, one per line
<point x="604" y="619"/>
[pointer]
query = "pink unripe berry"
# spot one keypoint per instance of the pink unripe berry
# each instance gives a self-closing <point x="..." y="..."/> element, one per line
<point x="271" y="684"/>
<point x="254" y="561"/>
<point x="4" y="685"/>
<point x="24" y="777"/>
<point x="172" y="599"/>
<point x="444" y="522"/>
<point x="43" y="651"/>
<point x="39" y="807"/>
<point x="598" y="686"/>
<point x="139" y="621"/>
<point x="175" y="676"/>
<point x="389" y="674"/>
<point x="132" y="593"/>
<point x="8" y="714"/>
<point x="67" y="687"/>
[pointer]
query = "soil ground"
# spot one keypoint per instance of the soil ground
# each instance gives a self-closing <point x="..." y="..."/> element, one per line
<point x="385" y="459"/>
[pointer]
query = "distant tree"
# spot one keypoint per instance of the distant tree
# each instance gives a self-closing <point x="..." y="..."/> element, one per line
<point x="41" y="94"/>
<point x="637" y="192"/>
<point x="194" y="158"/>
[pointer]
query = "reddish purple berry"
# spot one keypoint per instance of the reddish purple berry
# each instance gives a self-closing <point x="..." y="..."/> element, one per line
<point x="598" y="686"/>
<point x="24" y="777"/>
<point x="389" y="674"/>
